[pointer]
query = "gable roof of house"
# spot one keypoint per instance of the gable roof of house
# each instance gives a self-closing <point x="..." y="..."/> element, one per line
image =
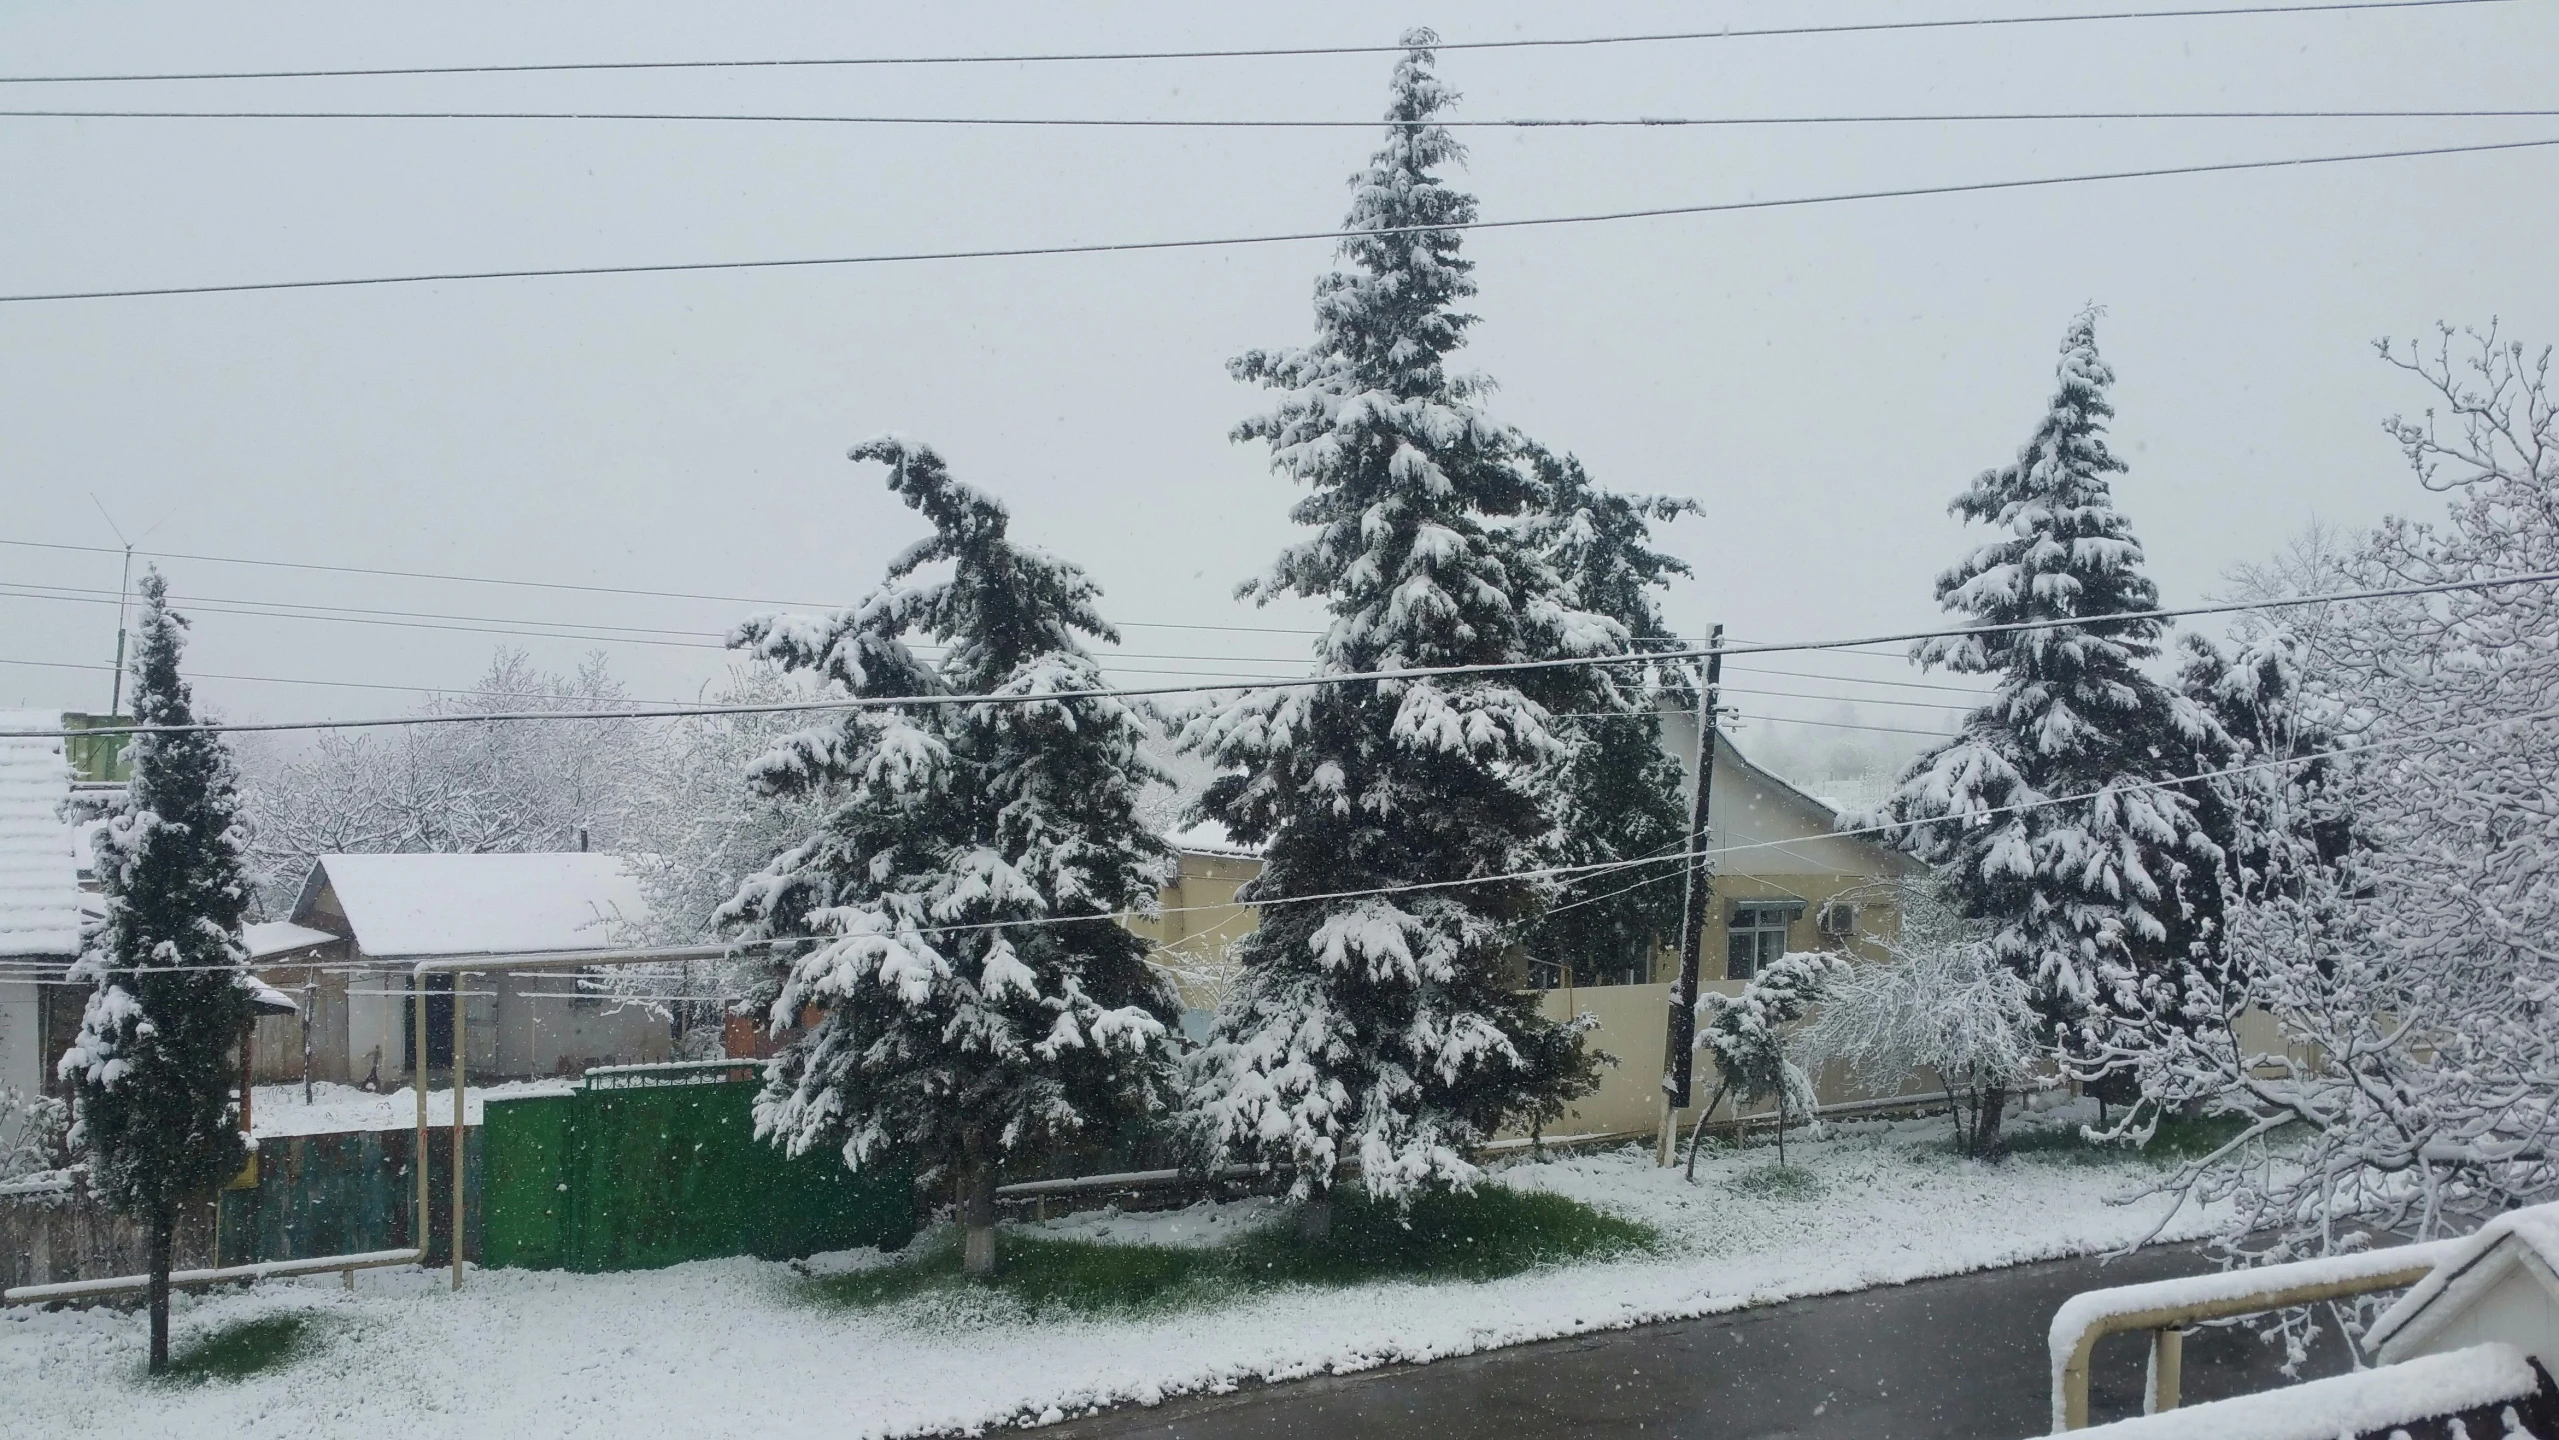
<point x="416" y="906"/>
<point x="39" y="870"/>
<point x="2481" y="1261"/>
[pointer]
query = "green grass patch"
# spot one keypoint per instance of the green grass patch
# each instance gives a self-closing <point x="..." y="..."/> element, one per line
<point x="238" y="1351"/>
<point x="1776" y="1182"/>
<point x="2179" y="1141"/>
<point x="2175" y="1142"/>
<point x="1492" y="1232"/>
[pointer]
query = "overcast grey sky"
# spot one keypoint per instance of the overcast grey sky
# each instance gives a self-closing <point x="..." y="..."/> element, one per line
<point x="1822" y="379"/>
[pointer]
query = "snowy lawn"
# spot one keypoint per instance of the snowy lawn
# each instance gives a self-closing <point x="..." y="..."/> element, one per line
<point x="741" y="1347"/>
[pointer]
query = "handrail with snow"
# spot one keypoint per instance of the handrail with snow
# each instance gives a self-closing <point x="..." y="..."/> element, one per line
<point x="2165" y="1307"/>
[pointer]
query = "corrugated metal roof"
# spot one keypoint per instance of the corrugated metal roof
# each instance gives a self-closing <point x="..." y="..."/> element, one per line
<point x="39" y="872"/>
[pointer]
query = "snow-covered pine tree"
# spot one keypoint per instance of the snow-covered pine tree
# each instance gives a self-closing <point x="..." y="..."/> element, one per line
<point x="2046" y="815"/>
<point x="1618" y="797"/>
<point x="977" y="996"/>
<point x="1384" y="1028"/>
<point x="153" y="1070"/>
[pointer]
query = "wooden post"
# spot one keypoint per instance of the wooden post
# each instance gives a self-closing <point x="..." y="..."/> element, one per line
<point x="417" y="1079"/>
<point x="310" y="1001"/>
<point x="461" y="1114"/>
<point x="2167" y="1362"/>
<point x="1680" y="1040"/>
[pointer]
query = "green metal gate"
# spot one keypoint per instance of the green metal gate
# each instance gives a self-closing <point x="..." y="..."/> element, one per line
<point x="651" y="1166"/>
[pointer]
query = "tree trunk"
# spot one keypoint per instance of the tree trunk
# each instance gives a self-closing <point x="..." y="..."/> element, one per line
<point x="1699" y="1133"/>
<point x="1955" y="1107"/>
<point x="1781" y="1125"/>
<point x="164" y="1226"/>
<point x="1994" y="1101"/>
<point x="977" y="1219"/>
<point x="1315" y="1217"/>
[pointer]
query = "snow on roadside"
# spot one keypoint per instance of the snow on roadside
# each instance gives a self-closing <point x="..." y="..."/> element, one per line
<point x="539" y="1354"/>
<point x="279" y="1109"/>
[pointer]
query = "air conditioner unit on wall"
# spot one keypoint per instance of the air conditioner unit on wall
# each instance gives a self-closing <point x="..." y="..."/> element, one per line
<point x="1837" y="919"/>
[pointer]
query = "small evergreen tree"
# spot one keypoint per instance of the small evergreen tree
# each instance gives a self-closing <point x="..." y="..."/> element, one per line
<point x="1618" y="797"/>
<point x="977" y="996"/>
<point x="1746" y="1035"/>
<point x="154" y="1068"/>
<point x="2112" y="888"/>
<point x="1385" y="1027"/>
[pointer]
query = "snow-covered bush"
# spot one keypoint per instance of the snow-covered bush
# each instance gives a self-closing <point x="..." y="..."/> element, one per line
<point x="1746" y="1035"/>
<point x="1938" y="1001"/>
<point x="33" y="1134"/>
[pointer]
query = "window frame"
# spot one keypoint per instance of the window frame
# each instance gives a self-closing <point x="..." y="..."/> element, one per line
<point x="1757" y="919"/>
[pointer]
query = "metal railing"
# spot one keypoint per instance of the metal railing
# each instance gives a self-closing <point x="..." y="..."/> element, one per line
<point x="2166" y="1308"/>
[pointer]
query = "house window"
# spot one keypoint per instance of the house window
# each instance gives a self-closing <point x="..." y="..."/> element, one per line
<point x="1755" y="935"/>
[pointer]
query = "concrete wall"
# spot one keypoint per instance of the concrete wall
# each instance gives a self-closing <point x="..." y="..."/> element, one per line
<point x="538" y="1033"/>
<point x="1633" y="1025"/>
<point x="21" y="1037"/>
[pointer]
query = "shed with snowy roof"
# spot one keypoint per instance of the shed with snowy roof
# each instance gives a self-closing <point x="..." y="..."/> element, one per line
<point x="2501" y="1286"/>
<point x="378" y="915"/>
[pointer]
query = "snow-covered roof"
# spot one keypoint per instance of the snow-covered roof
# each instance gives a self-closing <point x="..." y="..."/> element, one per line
<point x="39" y="871"/>
<point x="267" y="999"/>
<point x="413" y="906"/>
<point x="1210" y="838"/>
<point x="2366" y="1402"/>
<point x="2479" y="1262"/>
<point x="275" y="937"/>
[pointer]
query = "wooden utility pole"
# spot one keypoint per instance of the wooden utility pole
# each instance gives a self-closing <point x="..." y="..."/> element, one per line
<point x="1681" y="1037"/>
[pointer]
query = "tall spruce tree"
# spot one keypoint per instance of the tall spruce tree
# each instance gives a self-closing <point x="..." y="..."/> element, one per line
<point x="1384" y="1027"/>
<point x="977" y="996"/>
<point x="153" y="1071"/>
<point x="2094" y="899"/>
<point x="1618" y="797"/>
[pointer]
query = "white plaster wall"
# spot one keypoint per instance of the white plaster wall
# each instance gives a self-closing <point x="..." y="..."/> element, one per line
<point x="2521" y="1310"/>
<point x="21" y="1056"/>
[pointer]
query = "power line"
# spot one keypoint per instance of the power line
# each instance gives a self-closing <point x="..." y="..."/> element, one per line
<point x="710" y="639"/>
<point x="1638" y="122"/>
<point x="1548" y="872"/>
<point x="1403" y="676"/>
<point x="1129" y="247"/>
<point x="553" y="584"/>
<point x="1279" y="52"/>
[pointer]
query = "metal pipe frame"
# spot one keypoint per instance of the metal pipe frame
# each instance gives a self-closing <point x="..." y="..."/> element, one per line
<point x="2241" y="1292"/>
<point x="487" y="963"/>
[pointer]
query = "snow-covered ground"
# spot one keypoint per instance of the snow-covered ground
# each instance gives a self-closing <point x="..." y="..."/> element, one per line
<point x="280" y="1110"/>
<point x="730" y="1347"/>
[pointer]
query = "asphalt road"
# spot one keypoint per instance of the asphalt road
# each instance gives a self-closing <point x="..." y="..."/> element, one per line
<point x="1961" y="1357"/>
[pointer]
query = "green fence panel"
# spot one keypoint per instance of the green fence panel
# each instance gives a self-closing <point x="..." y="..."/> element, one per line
<point x="349" y="1192"/>
<point x="630" y="1179"/>
<point x="524" y="1194"/>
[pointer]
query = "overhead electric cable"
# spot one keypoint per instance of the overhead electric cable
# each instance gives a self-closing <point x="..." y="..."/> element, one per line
<point x="554" y="584"/>
<point x="1044" y="122"/>
<point x="1400" y="677"/>
<point x="1710" y="852"/>
<point x="1130" y="247"/>
<point x="1970" y="22"/>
